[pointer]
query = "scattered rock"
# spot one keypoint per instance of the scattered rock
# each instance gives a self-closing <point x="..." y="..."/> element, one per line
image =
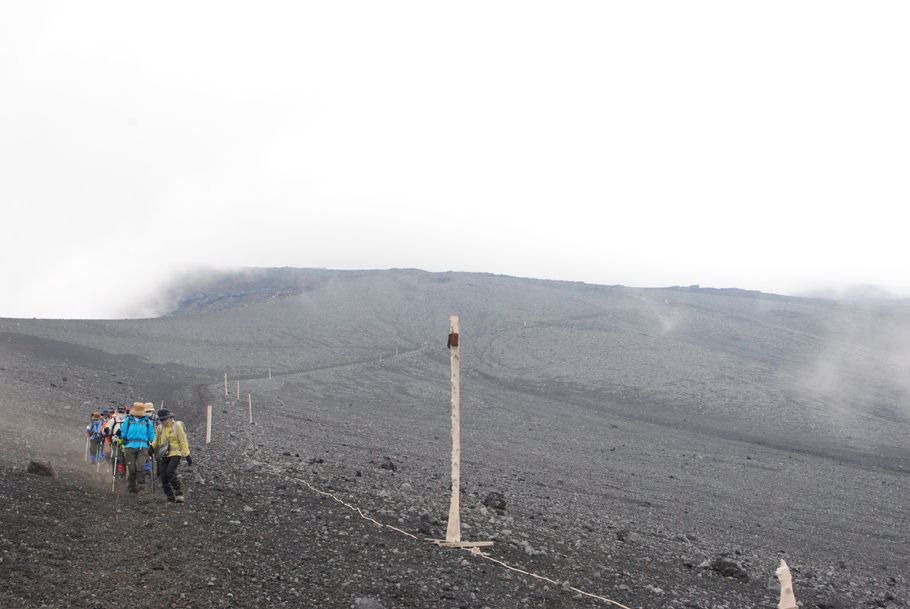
<point x="41" y="469"/>
<point x="368" y="603"/>
<point x="627" y="536"/>
<point x="495" y="500"/>
<point x="388" y="465"/>
<point x="728" y="568"/>
<point x="423" y="527"/>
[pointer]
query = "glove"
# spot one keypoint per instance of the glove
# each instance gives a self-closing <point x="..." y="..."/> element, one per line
<point x="189" y="461"/>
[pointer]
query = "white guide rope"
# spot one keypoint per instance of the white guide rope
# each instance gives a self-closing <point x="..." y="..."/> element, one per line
<point x="474" y="551"/>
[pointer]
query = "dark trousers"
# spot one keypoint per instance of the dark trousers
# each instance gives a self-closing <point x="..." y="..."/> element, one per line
<point x="94" y="445"/>
<point x="167" y="469"/>
<point x="134" y="459"/>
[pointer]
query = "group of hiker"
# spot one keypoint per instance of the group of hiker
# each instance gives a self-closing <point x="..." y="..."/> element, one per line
<point x="131" y="438"/>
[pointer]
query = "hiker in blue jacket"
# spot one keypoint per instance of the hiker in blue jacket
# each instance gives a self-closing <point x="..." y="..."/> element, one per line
<point x="137" y="434"/>
<point x="93" y="433"/>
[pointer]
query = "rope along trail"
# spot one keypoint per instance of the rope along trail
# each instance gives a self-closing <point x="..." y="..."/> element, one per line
<point x="474" y="551"/>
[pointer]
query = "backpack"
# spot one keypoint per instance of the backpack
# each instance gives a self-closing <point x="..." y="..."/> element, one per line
<point x="117" y="424"/>
<point x="146" y="424"/>
<point x="164" y="448"/>
<point x="95" y="429"/>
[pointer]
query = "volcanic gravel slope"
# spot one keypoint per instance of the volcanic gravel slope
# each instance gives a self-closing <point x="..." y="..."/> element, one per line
<point x="661" y="448"/>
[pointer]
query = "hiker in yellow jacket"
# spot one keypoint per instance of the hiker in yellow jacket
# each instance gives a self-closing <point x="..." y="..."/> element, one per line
<point x="169" y="446"/>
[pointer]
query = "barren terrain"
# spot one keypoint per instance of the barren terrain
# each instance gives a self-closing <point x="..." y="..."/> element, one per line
<point x="659" y="448"/>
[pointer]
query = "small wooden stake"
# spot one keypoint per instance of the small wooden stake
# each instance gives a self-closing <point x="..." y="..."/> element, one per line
<point x="238" y="390"/>
<point x="787" y="599"/>
<point x="208" y="424"/>
<point x="225" y="383"/>
<point x="250" y="397"/>
<point x="270" y="374"/>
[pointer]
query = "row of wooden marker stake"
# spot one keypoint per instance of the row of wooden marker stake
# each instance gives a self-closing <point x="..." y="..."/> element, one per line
<point x="453" y="529"/>
<point x="208" y="409"/>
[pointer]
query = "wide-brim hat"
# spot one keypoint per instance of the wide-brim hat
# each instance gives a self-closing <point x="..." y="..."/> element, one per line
<point x="138" y="409"/>
<point x="96" y="416"/>
<point x="164" y="413"/>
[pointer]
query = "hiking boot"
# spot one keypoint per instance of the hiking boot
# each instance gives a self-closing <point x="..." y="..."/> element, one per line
<point x="179" y="499"/>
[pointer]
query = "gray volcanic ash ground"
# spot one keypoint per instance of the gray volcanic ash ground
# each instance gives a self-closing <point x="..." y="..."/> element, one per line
<point x="660" y="448"/>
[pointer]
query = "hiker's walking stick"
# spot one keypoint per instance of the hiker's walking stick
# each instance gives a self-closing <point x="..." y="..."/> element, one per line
<point x="114" y="472"/>
<point x="85" y="458"/>
<point x="153" y="472"/>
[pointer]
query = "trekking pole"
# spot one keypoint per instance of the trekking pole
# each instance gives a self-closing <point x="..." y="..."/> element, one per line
<point x="85" y="458"/>
<point x="114" y="473"/>
<point x="100" y="453"/>
<point x="151" y="473"/>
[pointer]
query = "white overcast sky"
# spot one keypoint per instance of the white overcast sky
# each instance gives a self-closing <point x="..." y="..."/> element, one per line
<point x="761" y="145"/>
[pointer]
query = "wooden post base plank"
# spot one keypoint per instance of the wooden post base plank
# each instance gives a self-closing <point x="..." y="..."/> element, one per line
<point x="461" y="544"/>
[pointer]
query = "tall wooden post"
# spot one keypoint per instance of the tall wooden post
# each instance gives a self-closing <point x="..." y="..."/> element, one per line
<point x="453" y="529"/>
<point x="208" y="424"/>
<point x="250" y="397"/>
<point x="270" y="374"/>
<point x="225" y="383"/>
<point x="238" y="390"/>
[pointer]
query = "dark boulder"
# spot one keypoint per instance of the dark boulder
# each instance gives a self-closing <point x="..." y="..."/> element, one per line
<point x="495" y="500"/>
<point x="388" y="464"/>
<point x="41" y="469"/>
<point x="728" y="568"/>
<point x="427" y="524"/>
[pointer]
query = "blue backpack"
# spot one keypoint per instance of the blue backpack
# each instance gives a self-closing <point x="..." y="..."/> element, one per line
<point x="95" y="429"/>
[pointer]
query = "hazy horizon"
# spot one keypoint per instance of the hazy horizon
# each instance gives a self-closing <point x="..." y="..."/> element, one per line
<point x="159" y="300"/>
<point x="760" y="147"/>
